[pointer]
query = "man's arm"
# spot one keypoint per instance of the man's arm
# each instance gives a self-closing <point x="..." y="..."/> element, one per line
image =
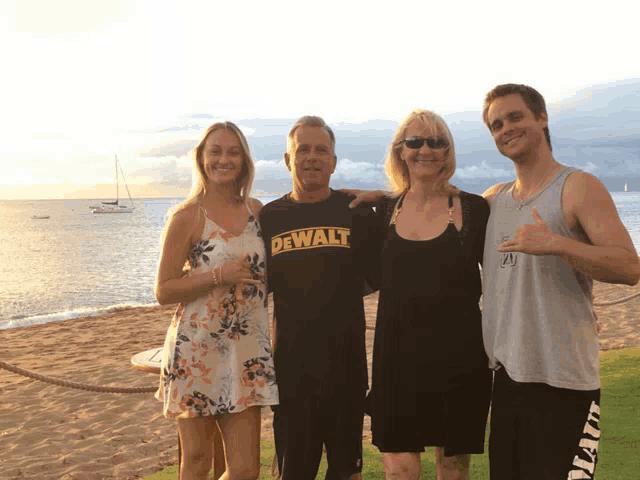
<point x="367" y="238"/>
<point x="491" y="192"/>
<point x="363" y="196"/>
<point x="587" y="204"/>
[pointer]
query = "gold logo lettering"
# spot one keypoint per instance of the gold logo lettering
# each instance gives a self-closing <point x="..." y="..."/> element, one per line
<point x="320" y="238"/>
<point x="307" y="238"/>
<point x="276" y="245"/>
<point x="302" y="239"/>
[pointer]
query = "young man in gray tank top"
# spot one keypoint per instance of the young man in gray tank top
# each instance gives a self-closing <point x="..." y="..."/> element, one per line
<point x="550" y="232"/>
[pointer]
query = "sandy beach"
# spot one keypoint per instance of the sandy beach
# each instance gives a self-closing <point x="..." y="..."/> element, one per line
<point x="51" y="432"/>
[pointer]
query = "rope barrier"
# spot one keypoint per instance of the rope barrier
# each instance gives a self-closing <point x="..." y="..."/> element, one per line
<point x="97" y="388"/>
<point x="616" y="302"/>
<point x="76" y="385"/>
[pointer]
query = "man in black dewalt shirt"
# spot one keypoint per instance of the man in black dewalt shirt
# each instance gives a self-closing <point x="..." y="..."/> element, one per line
<point x="319" y="254"/>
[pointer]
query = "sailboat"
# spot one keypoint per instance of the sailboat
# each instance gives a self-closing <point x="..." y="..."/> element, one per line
<point x="115" y="207"/>
<point x="625" y="187"/>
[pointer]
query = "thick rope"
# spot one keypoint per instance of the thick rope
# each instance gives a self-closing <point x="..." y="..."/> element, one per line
<point x="96" y="388"/>
<point x="616" y="302"/>
<point x="79" y="386"/>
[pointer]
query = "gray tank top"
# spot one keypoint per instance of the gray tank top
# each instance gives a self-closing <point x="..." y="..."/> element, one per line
<point x="537" y="314"/>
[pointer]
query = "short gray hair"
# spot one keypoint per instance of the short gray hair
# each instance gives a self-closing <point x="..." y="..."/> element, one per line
<point x="313" y="121"/>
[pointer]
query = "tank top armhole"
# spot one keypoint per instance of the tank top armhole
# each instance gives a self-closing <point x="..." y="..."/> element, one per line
<point x="563" y="176"/>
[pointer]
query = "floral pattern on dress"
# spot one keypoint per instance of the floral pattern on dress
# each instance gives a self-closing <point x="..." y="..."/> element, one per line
<point x="217" y="354"/>
<point x="258" y="373"/>
<point x="200" y="251"/>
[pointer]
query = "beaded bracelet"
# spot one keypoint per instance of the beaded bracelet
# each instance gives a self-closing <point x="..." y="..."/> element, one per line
<point x="215" y="277"/>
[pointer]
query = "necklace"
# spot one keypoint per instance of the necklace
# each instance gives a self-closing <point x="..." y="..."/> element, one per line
<point x="521" y="199"/>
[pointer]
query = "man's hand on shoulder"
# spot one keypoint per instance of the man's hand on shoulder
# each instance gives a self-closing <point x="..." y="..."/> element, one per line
<point x="363" y="196"/>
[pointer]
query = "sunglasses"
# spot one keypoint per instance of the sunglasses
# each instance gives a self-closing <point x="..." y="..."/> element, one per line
<point x="435" y="143"/>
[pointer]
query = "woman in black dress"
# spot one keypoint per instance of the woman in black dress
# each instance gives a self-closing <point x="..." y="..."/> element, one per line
<point x="431" y="385"/>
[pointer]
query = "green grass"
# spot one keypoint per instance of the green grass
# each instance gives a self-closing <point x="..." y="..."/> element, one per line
<point x="620" y="422"/>
<point x="620" y="426"/>
<point x="372" y="468"/>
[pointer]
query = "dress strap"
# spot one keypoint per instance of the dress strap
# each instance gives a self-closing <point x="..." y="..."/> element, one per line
<point x="396" y="209"/>
<point x="203" y="210"/>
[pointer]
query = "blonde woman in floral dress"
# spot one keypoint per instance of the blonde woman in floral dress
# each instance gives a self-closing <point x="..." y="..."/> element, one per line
<point x="217" y="367"/>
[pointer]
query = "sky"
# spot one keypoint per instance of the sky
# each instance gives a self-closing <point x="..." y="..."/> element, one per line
<point x="83" y="81"/>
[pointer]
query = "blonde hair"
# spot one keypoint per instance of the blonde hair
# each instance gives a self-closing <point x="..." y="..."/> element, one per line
<point x="397" y="170"/>
<point x="199" y="183"/>
<point x="199" y="177"/>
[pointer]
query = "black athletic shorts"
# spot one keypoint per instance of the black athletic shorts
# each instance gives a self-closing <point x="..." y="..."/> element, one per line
<point x="303" y="426"/>
<point x="455" y="420"/>
<point x="542" y="432"/>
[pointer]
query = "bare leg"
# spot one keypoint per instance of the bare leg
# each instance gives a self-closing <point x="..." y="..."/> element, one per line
<point x="401" y="466"/>
<point x="456" y="467"/>
<point x="218" y="454"/>
<point x="241" y="437"/>
<point x="275" y="473"/>
<point x="196" y="440"/>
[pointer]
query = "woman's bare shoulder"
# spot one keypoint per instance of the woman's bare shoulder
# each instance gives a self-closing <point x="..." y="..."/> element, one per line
<point x="185" y="220"/>
<point x="186" y="213"/>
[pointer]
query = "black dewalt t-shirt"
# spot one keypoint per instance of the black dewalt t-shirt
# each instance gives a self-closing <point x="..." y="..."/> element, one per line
<point x="318" y="257"/>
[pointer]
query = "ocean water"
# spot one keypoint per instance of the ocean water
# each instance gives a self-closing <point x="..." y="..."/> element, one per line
<point x="78" y="264"/>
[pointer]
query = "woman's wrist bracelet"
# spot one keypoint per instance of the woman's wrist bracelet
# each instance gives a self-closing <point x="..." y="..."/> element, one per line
<point x="216" y="273"/>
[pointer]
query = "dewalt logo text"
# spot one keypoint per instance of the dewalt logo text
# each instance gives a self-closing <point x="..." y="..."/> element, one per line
<point x="306" y="238"/>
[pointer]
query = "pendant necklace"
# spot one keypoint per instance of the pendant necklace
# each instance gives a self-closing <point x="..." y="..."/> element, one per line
<point x="521" y="201"/>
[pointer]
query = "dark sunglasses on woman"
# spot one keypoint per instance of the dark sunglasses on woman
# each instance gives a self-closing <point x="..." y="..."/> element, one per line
<point x="435" y="143"/>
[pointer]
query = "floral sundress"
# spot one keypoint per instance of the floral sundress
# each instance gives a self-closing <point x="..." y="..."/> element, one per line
<point x="217" y="353"/>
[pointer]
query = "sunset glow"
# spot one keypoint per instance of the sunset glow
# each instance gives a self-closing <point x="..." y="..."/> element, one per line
<point x="85" y="80"/>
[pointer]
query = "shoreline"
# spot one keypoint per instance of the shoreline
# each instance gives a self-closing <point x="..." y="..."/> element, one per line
<point x="51" y="432"/>
<point x="78" y="313"/>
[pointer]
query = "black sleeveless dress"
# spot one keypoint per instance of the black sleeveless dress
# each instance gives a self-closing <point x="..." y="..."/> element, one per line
<point x="428" y="331"/>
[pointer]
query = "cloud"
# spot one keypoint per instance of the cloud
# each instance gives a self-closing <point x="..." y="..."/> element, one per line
<point x="248" y="131"/>
<point x="271" y="169"/>
<point x="484" y="170"/>
<point x="168" y="170"/>
<point x="589" y="167"/>
<point x="362" y="171"/>
<point x="351" y="174"/>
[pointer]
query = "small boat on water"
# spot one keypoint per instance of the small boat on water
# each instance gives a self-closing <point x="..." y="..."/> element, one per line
<point x="115" y="207"/>
<point x="40" y="217"/>
<point x="625" y="188"/>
